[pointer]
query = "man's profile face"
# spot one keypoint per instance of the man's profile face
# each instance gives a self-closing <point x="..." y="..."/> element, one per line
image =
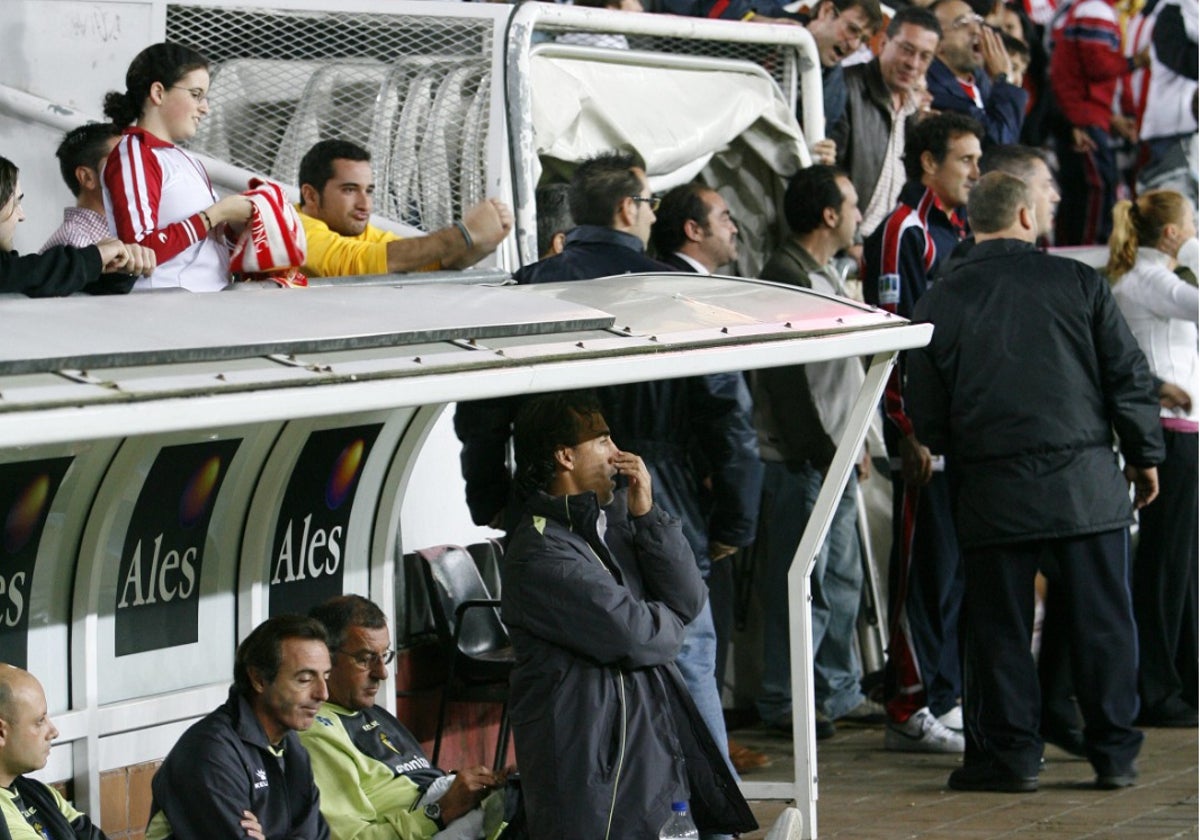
<point x="28" y="731"/>
<point x="351" y="685"/>
<point x="905" y="57"/>
<point x="719" y="245"/>
<point x="838" y="34"/>
<point x="292" y="699"/>
<point x="849" y="216"/>
<point x="1045" y="197"/>
<point x="11" y="214"/>
<point x="593" y="459"/>
<point x="643" y="216"/>
<point x="952" y="179"/>
<point x="962" y="37"/>
<point x="347" y="199"/>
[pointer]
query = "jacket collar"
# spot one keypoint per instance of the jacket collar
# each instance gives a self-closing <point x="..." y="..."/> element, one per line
<point x="993" y="248"/>
<point x="245" y="722"/>
<point x="877" y="89"/>
<point x="149" y="139"/>
<point x="595" y="234"/>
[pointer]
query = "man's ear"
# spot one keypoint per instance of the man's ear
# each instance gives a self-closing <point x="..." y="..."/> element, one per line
<point x="564" y="456"/>
<point x="830" y="217"/>
<point x="309" y="197"/>
<point x="693" y="231"/>
<point x="257" y="683"/>
<point x="558" y="242"/>
<point x="4" y="727"/>
<point x="1025" y="216"/>
<point x="625" y="212"/>
<point x="929" y="164"/>
<point x="87" y="177"/>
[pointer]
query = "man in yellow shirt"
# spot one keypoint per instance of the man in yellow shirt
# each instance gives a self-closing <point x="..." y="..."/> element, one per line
<point x="374" y="778"/>
<point x="336" y="198"/>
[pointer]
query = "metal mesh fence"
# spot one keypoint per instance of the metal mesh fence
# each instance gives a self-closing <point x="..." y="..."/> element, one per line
<point x="412" y="89"/>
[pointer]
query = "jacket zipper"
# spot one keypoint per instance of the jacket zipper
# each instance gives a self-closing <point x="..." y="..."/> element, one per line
<point x="620" y="758"/>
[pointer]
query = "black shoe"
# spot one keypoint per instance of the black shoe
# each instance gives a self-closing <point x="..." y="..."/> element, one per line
<point x="1067" y="740"/>
<point x="823" y="726"/>
<point x="990" y="777"/>
<point x="1172" y="713"/>
<point x="1116" y="781"/>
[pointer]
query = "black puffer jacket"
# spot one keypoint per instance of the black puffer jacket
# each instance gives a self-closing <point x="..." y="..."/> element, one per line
<point x="606" y="734"/>
<point x="1030" y="370"/>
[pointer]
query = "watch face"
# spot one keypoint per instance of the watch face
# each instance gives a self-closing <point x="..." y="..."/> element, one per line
<point x="433" y="811"/>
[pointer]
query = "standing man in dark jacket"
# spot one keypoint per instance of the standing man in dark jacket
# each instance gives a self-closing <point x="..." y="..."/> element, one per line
<point x="241" y="771"/>
<point x="665" y="420"/>
<point x="971" y="74"/>
<point x="598" y="588"/>
<point x="1030" y="370"/>
<point x="27" y="805"/>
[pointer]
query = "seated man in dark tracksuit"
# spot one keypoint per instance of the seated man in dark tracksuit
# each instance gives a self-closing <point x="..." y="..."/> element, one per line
<point x="241" y="770"/>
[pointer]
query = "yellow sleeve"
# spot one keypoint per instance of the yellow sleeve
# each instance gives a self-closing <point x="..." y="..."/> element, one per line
<point x="332" y="255"/>
<point x="360" y="797"/>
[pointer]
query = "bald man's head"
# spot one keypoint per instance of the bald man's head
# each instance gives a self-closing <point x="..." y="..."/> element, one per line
<point x="25" y="728"/>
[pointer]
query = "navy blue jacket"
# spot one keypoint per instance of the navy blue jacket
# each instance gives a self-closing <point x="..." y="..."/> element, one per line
<point x="222" y="766"/>
<point x="591" y="251"/>
<point x="902" y="257"/>
<point x="601" y="719"/>
<point x="1003" y="111"/>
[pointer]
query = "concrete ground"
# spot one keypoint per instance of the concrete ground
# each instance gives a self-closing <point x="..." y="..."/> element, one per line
<point x="868" y="793"/>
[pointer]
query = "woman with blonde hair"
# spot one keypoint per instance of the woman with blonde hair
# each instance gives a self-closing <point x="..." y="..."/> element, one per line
<point x="155" y="193"/>
<point x="1162" y="311"/>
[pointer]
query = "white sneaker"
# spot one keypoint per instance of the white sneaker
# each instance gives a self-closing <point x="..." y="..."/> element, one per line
<point x="922" y="733"/>
<point x="952" y="719"/>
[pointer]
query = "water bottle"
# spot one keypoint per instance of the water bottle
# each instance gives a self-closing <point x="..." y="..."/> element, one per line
<point x="680" y="825"/>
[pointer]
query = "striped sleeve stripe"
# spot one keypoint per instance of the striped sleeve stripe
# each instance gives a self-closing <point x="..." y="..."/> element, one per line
<point x="1089" y="34"/>
<point x="930" y="252"/>
<point x="133" y="176"/>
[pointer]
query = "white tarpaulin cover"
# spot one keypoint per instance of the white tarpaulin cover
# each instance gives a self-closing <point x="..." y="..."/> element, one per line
<point x="732" y="126"/>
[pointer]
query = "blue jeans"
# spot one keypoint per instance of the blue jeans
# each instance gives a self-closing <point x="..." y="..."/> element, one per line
<point x="837" y="578"/>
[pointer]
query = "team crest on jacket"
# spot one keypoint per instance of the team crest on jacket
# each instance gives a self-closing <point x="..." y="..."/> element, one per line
<point x="889" y="289"/>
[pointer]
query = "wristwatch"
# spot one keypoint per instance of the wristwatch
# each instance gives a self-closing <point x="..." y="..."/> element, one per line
<point x="433" y="813"/>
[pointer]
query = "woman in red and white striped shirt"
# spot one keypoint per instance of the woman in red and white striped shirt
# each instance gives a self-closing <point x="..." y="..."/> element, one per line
<point x="155" y="193"/>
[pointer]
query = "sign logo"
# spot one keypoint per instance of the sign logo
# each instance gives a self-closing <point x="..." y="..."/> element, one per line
<point x="310" y="540"/>
<point x="26" y="491"/>
<point x="158" y="578"/>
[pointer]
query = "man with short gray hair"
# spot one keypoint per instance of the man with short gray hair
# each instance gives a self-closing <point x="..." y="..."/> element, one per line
<point x="1030" y="369"/>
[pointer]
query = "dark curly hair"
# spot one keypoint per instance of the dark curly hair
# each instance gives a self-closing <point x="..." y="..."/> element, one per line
<point x="545" y="423"/>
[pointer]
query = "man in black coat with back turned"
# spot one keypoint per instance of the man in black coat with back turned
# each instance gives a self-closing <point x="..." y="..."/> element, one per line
<point x="1030" y="370"/>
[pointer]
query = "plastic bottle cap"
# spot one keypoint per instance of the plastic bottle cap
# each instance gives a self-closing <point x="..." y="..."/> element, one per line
<point x="679" y="807"/>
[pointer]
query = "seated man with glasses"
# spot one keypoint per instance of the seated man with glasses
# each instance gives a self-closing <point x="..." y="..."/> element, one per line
<point x="375" y="780"/>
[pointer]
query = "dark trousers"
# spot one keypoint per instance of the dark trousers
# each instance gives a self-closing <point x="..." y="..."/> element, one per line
<point x="1089" y="188"/>
<point x="925" y="591"/>
<point x="1003" y="702"/>
<point x="1164" y="580"/>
